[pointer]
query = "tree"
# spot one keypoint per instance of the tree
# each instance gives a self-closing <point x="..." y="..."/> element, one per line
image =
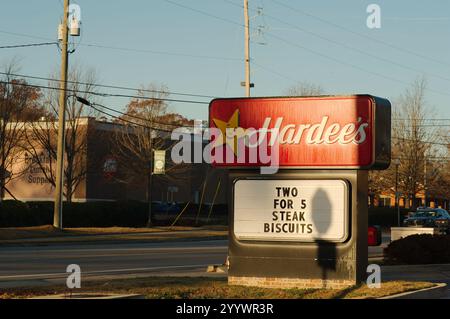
<point x="412" y="139"/>
<point x="42" y="135"/>
<point x="412" y="143"/>
<point x="19" y="104"/>
<point x="145" y="130"/>
<point x="437" y="179"/>
<point x="305" y="89"/>
<point x="381" y="182"/>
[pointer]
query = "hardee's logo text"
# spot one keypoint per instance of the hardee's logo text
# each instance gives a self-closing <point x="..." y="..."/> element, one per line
<point x="274" y="132"/>
<point x="232" y="144"/>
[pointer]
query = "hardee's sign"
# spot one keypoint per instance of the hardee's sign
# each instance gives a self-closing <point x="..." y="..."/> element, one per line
<point x="305" y="132"/>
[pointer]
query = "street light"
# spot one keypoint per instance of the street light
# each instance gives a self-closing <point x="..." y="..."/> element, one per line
<point x="156" y="165"/>
<point x="396" y="162"/>
<point x="81" y="100"/>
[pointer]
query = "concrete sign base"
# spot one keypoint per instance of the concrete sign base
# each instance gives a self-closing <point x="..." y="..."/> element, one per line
<point x="289" y="283"/>
<point x="294" y="242"/>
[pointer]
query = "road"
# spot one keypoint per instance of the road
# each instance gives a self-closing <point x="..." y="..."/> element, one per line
<point x="42" y="265"/>
<point x="34" y="265"/>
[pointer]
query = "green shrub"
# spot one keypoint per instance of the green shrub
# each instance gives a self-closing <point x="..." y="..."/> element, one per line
<point x="420" y="249"/>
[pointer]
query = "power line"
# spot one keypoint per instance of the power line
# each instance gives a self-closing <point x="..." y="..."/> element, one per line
<point x="433" y="125"/>
<point x="180" y="126"/>
<point x="225" y="58"/>
<point x="143" y="119"/>
<point x="147" y="98"/>
<point x="134" y="123"/>
<point x="419" y="141"/>
<point x="106" y="94"/>
<point x="103" y="106"/>
<point x="25" y="35"/>
<point x="161" y="52"/>
<point x="27" y="45"/>
<point x="407" y="67"/>
<point x="235" y="4"/>
<point x="302" y="47"/>
<point x="419" y="119"/>
<point x="101" y="46"/>
<point x="138" y="117"/>
<point x="351" y="48"/>
<point x="127" y="121"/>
<point x="273" y="72"/>
<point x="107" y="86"/>
<point x="204" y="13"/>
<point x="348" y="64"/>
<point x="428" y="158"/>
<point x="360" y="34"/>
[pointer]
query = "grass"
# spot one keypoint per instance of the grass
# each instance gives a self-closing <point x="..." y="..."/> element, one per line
<point x="211" y="288"/>
<point x="50" y="234"/>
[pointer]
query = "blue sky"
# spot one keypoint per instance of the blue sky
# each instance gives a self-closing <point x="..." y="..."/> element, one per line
<point x="341" y="62"/>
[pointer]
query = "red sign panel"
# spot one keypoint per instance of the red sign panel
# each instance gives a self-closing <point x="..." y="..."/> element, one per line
<point x="308" y="132"/>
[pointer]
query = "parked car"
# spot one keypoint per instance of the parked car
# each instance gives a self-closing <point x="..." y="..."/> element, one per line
<point x="429" y="217"/>
<point x="165" y="207"/>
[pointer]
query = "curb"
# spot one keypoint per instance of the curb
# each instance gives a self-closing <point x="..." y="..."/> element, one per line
<point x="90" y="296"/>
<point x="96" y="241"/>
<point x="439" y="291"/>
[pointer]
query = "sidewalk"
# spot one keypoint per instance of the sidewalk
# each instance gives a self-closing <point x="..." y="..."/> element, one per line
<point x="432" y="273"/>
<point x="151" y="236"/>
<point x="439" y="273"/>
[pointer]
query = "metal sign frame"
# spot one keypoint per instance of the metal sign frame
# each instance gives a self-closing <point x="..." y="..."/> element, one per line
<point x="276" y="178"/>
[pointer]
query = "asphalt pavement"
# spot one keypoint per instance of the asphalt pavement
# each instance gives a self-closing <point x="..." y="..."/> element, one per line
<point x="34" y="265"/>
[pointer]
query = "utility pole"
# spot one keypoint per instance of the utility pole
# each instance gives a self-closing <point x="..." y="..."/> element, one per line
<point x="57" y="213"/>
<point x="247" y="49"/>
<point x="397" y="199"/>
<point x="149" y="192"/>
<point x="425" y="183"/>
<point x="150" y="174"/>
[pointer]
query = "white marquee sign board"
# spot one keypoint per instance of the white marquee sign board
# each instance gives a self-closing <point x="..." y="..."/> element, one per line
<point x="291" y="210"/>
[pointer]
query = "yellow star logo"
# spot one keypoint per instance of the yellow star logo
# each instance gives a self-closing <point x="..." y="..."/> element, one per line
<point x="228" y="129"/>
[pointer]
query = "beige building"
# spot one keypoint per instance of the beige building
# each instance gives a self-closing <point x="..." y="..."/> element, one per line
<point x="104" y="180"/>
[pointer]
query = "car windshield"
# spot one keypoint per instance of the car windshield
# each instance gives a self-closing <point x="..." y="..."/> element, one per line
<point x="425" y="214"/>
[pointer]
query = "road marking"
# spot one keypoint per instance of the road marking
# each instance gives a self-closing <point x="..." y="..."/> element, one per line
<point x="57" y="252"/>
<point x="110" y="255"/>
<point x="67" y="249"/>
<point x="100" y="271"/>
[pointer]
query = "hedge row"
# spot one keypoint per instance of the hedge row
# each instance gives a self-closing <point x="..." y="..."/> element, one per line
<point x="101" y="214"/>
<point x="133" y="214"/>
<point x="419" y="249"/>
